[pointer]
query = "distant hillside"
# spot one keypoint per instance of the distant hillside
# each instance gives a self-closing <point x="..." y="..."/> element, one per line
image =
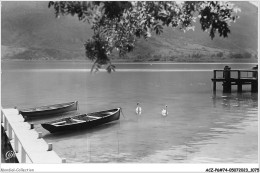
<point x="30" y="31"/>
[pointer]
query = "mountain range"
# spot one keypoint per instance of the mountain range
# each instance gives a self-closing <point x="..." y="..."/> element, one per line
<point x="30" y="31"/>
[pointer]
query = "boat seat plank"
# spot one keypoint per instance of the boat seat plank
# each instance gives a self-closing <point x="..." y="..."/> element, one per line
<point x="94" y="117"/>
<point x="79" y="121"/>
<point x="60" y="122"/>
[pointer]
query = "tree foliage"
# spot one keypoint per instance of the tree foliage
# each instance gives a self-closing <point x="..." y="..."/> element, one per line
<point x="117" y="25"/>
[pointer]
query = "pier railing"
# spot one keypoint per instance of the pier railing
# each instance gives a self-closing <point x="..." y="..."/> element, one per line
<point x="28" y="145"/>
<point x="250" y="74"/>
<point x="235" y="77"/>
<point x="14" y="139"/>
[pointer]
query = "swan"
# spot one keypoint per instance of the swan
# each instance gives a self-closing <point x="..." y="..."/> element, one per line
<point x="165" y="111"/>
<point x="138" y="109"/>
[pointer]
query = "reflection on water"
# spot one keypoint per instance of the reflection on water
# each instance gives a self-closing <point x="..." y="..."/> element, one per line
<point x="200" y="128"/>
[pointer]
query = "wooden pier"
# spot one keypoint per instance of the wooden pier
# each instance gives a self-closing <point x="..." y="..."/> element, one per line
<point x="28" y="145"/>
<point x="230" y="77"/>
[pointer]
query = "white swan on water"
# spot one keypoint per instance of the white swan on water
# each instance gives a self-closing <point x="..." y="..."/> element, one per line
<point x="165" y="111"/>
<point x="138" y="109"/>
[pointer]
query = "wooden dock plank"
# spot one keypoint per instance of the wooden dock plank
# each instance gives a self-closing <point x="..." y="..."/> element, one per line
<point x="34" y="147"/>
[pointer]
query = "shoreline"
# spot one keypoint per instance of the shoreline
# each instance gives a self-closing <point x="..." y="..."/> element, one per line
<point x="130" y="62"/>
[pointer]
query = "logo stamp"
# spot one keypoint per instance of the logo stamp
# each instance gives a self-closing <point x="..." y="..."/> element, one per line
<point x="9" y="155"/>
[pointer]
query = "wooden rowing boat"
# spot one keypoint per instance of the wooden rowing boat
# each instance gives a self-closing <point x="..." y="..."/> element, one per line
<point x="82" y="121"/>
<point x="50" y="110"/>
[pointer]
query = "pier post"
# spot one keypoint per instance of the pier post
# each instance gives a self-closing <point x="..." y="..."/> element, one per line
<point x="5" y="123"/>
<point x="226" y="83"/>
<point x="255" y="72"/>
<point x="31" y="126"/>
<point x="10" y="132"/>
<point x="23" y="156"/>
<point x="49" y="147"/>
<point x="16" y="144"/>
<point x="2" y="116"/>
<point x="39" y="135"/>
<point x="239" y="87"/>
<point x="239" y="84"/>
<point x="254" y="87"/>
<point x="214" y="82"/>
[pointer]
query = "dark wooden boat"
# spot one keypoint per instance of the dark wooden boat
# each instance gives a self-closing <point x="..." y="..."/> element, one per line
<point x="82" y="121"/>
<point x="50" y="110"/>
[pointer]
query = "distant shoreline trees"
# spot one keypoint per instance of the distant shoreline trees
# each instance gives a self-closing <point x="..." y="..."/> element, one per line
<point x="117" y="25"/>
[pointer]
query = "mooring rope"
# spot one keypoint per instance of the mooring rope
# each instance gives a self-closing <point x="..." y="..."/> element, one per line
<point x="121" y="110"/>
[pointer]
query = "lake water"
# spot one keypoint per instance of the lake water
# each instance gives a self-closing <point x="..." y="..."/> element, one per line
<point x="201" y="127"/>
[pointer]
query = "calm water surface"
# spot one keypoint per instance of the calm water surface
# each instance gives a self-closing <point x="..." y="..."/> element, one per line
<point x="200" y="128"/>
